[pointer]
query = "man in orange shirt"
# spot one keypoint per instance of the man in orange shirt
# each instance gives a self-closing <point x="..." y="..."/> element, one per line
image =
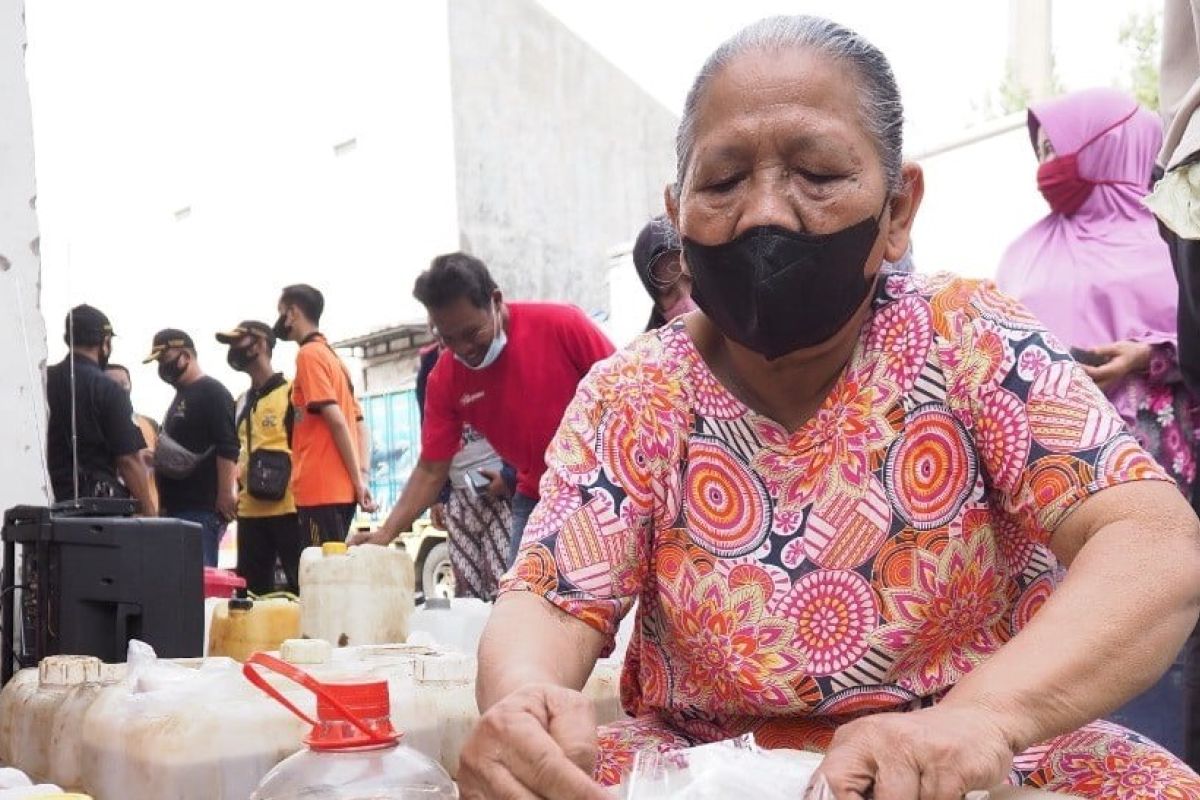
<point x="330" y="445"/>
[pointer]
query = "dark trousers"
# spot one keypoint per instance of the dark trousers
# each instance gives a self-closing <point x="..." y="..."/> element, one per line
<point x="522" y="506"/>
<point x="212" y="531"/>
<point x="1185" y="258"/>
<point x="262" y="540"/>
<point x="328" y="523"/>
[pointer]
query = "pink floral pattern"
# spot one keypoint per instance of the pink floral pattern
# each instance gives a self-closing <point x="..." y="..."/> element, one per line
<point x="865" y="562"/>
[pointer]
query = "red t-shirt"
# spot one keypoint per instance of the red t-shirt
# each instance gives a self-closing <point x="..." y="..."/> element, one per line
<point x="517" y="402"/>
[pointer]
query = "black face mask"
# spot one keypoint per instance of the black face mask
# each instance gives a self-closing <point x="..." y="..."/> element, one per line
<point x="776" y="291"/>
<point x="281" y="329"/>
<point x="171" y="371"/>
<point x="239" y="358"/>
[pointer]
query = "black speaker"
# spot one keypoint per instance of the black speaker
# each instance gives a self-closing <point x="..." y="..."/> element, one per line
<point x="86" y="585"/>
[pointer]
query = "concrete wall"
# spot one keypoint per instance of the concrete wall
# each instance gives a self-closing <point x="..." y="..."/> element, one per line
<point x="560" y="156"/>
<point x="22" y="332"/>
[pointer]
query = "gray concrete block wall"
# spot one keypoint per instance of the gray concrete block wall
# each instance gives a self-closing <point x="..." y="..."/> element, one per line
<point x="23" y="476"/>
<point x="560" y="156"/>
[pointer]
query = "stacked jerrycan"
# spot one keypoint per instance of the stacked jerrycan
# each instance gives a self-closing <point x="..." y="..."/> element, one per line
<point x="42" y="711"/>
<point x="356" y="596"/>
<point x="352" y="752"/>
<point x="241" y="627"/>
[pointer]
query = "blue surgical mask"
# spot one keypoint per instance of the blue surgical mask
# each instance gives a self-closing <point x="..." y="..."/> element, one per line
<point x="499" y="339"/>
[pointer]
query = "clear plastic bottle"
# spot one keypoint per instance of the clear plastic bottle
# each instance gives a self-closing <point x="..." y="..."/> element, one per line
<point x="353" y="751"/>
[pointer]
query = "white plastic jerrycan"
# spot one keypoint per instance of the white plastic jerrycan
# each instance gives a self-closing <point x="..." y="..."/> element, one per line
<point x="354" y="596"/>
<point x="353" y="752"/>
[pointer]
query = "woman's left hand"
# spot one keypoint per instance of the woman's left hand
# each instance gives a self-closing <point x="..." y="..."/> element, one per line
<point x="938" y="753"/>
<point x="1124" y="359"/>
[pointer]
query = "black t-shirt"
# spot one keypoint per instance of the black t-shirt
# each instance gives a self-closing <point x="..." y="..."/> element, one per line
<point x="104" y="427"/>
<point x="200" y="417"/>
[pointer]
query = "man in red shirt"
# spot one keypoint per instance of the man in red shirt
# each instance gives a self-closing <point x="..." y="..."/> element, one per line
<point x="330" y="444"/>
<point x="508" y="370"/>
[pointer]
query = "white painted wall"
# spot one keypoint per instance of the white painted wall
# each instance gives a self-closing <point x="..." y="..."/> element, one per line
<point x="23" y="476"/>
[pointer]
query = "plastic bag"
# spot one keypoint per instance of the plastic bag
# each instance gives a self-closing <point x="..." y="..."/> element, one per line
<point x="733" y="768"/>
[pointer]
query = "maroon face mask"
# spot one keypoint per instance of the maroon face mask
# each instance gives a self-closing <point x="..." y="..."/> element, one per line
<point x="1059" y="180"/>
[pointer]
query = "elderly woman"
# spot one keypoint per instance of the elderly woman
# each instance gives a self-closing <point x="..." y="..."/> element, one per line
<point x="840" y="496"/>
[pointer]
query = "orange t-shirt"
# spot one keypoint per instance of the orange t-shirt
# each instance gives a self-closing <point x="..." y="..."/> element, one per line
<point x="319" y="476"/>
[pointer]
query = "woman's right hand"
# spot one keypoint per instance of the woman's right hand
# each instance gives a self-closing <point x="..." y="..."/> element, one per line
<point x="540" y="741"/>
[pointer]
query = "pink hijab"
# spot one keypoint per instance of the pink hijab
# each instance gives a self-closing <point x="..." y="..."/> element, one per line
<point x="1102" y="274"/>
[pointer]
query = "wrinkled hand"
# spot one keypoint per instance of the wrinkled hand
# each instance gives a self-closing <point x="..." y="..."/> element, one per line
<point x="437" y="515"/>
<point x="939" y="753"/>
<point x="1124" y="358"/>
<point x="227" y="504"/>
<point x="539" y="741"/>
<point x="497" y="486"/>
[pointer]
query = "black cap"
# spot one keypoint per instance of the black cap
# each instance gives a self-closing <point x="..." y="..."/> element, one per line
<point x="90" y="326"/>
<point x="248" y="327"/>
<point x="168" y="338"/>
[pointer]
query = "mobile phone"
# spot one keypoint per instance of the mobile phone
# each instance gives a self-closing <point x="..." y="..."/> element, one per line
<point x="478" y="480"/>
<point x="1089" y="357"/>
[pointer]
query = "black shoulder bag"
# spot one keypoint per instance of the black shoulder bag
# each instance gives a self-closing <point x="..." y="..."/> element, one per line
<point x="268" y="472"/>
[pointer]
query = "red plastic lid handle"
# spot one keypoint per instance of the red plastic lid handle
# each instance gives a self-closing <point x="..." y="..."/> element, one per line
<point x="249" y="669"/>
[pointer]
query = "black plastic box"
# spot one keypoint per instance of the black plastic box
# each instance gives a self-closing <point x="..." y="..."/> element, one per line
<point x="89" y="584"/>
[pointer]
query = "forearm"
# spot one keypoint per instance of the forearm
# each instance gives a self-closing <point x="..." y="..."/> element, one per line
<point x="555" y="648"/>
<point x="419" y="493"/>
<point x="227" y="476"/>
<point x="364" y="448"/>
<point x="136" y="478"/>
<point x="1106" y="633"/>
<point x="345" y="441"/>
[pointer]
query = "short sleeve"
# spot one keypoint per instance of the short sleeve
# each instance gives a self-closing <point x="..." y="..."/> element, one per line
<point x="441" y="426"/>
<point x="314" y="380"/>
<point x="221" y="425"/>
<point x="115" y="416"/>
<point x="606" y="489"/>
<point x="1047" y="438"/>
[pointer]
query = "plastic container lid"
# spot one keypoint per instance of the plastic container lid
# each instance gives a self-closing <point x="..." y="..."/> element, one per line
<point x="351" y="714"/>
<point x="221" y="583"/>
<point x="333" y="549"/>
<point x="306" y="651"/>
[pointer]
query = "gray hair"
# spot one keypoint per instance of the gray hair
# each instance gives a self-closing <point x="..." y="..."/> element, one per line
<point x="881" y="109"/>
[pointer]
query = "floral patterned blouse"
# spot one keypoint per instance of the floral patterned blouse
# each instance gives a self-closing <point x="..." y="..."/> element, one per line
<point x="1162" y="414"/>
<point x="865" y="562"/>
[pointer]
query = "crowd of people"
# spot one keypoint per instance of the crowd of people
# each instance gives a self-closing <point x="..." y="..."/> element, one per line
<point x="287" y="460"/>
<point x="857" y="509"/>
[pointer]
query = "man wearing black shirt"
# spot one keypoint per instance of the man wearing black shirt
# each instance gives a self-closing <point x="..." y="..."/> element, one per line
<point x="196" y="458"/>
<point x="91" y="411"/>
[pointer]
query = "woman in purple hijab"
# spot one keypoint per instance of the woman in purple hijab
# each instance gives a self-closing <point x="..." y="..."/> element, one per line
<point x="1095" y="270"/>
<point x="1099" y="277"/>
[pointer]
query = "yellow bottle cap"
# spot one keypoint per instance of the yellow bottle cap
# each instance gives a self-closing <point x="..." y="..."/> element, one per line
<point x="333" y="549"/>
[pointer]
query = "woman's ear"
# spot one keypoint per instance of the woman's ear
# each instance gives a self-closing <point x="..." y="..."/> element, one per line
<point x="904" y="207"/>
<point x="671" y="202"/>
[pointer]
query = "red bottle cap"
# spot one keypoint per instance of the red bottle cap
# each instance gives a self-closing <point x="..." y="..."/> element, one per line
<point x="350" y="715"/>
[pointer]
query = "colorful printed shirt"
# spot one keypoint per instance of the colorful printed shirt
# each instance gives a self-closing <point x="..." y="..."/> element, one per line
<point x="865" y="562"/>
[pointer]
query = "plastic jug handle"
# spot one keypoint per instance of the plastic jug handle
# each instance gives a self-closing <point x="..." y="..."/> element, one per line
<point x="313" y="685"/>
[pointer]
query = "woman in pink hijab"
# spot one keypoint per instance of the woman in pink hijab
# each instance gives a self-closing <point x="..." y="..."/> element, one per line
<point x="1095" y="270"/>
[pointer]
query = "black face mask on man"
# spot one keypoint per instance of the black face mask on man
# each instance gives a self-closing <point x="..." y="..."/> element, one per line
<point x="281" y="328"/>
<point x="775" y="291"/>
<point x="171" y="371"/>
<point x="239" y="358"/>
<point x="105" y="354"/>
